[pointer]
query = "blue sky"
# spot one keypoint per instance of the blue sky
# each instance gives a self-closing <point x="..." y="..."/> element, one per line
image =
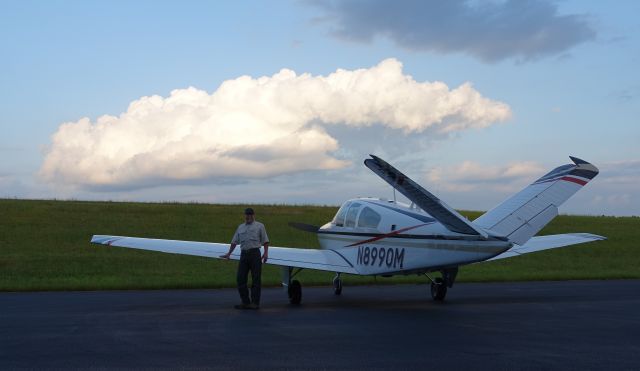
<point x="573" y="90"/>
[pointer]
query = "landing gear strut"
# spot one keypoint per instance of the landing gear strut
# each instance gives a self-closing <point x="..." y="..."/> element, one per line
<point x="294" y="288"/>
<point x="439" y="285"/>
<point x="337" y="284"/>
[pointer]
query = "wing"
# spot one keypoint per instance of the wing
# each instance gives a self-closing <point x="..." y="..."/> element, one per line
<point x="548" y="242"/>
<point x="428" y="202"/>
<point x="325" y="260"/>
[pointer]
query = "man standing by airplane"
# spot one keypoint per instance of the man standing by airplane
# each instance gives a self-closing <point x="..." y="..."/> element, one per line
<point x="250" y="235"/>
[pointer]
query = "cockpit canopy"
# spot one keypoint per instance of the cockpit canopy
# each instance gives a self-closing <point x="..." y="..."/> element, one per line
<point x="353" y="214"/>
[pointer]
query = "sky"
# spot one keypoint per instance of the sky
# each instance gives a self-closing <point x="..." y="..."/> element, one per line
<point x="281" y="101"/>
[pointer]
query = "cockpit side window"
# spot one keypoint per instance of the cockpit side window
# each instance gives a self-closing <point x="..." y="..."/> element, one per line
<point x="368" y="218"/>
<point x="338" y="220"/>
<point x="352" y="214"/>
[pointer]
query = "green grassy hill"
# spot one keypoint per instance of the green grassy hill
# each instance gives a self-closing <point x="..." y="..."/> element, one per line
<point x="44" y="246"/>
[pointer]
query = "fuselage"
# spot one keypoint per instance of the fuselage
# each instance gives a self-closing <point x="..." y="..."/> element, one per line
<point x="379" y="236"/>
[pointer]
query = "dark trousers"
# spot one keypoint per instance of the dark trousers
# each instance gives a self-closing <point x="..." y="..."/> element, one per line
<point x="250" y="260"/>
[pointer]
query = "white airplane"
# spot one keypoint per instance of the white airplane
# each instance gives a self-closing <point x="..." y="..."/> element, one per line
<point x="377" y="237"/>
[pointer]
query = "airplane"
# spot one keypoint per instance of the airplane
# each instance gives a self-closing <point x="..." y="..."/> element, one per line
<point x="378" y="237"/>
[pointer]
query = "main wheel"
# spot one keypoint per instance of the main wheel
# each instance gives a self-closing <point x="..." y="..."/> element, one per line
<point x="337" y="286"/>
<point x="295" y="292"/>
<point x="438" y="289"/>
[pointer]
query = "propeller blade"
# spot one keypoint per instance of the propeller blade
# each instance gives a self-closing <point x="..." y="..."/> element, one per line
<point x="304" y="227"/>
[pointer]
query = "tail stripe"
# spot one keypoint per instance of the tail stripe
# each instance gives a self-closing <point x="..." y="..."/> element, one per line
<point x="575" y="180"/>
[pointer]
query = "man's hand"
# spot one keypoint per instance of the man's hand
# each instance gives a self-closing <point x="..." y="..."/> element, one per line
<point x="226" y="256"/>
<point x="265" y="257"/>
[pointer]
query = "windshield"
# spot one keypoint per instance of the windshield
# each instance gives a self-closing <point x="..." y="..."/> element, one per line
<point x="338" y="220"/>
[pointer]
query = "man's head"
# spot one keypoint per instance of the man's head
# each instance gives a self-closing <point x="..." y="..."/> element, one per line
<point x="249" y="215"/>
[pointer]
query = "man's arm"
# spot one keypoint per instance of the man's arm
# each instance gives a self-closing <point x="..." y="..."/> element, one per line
<point x="234" y="242"/>
<point x="265" y="242"/>
<point x="265" y="256"/>
<point x="231" y="248"/>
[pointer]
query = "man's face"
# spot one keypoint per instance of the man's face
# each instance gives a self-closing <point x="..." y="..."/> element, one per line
<point x="249" y="218"/>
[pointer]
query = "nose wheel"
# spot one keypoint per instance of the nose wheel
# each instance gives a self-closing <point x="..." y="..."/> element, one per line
<point x="337" y="284"/>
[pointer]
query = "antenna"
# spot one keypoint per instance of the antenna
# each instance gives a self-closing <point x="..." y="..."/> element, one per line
<point x="394" y="195"/>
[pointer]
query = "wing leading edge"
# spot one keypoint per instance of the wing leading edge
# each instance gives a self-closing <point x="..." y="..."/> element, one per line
<point x="326" y="260"/>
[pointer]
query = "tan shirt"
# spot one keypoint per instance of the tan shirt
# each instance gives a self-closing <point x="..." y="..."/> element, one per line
<point x="250" y="236"/>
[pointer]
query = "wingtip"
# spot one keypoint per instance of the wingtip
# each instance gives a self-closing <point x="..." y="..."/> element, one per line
<point x="601" y="238"/>
<point x="374" y="159"/>
<point x="584" y="164"/>
<point x="595" y="237"/>
<point x="103" y="239"/>
<point x="577" y="160"/>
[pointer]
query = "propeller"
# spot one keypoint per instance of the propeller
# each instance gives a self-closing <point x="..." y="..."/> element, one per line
<point x="304" y="227"/>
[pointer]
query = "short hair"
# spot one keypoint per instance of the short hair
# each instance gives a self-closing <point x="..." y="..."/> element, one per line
<point x="249" y="211"/>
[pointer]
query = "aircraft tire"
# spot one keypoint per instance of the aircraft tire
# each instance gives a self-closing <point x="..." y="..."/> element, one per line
<point x="337" y="286"/>
<point x="295" y="292"/>
<point x="438" y="289"/>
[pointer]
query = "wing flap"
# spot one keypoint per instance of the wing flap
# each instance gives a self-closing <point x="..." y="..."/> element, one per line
<point x="553" y="241"/>
<point x="326" y="260"/>
<point x="428" y="202"/>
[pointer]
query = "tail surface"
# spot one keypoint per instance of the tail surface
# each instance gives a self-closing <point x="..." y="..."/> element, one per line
<point x="524" y="214"/>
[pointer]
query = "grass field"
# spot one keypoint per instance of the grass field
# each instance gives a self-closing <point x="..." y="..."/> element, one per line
<point x="44" y="246"/>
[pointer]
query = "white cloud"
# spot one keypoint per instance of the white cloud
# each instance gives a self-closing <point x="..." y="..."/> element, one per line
<point x="470" y="176"/>
<point x="255" y="127"/>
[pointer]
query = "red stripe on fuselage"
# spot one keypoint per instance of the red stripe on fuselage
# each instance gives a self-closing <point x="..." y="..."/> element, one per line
<point x="387" y="235"/>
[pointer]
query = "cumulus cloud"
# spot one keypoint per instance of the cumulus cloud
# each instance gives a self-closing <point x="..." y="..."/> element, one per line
<point x="488" y="30"/>
<point x="255" y="127"/>
<point x="470" y="176"/>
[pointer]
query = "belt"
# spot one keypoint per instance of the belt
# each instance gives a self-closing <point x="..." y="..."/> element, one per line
<point x="254" y="249"/>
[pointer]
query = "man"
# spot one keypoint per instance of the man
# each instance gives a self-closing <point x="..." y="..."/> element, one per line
<point x="249" y="235"/>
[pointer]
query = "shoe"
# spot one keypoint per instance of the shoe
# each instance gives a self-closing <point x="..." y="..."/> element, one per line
<point x="242" y="306"/>
<point x="253" y="306"/>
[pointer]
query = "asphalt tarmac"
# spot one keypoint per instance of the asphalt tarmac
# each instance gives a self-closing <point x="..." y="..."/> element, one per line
<point x="575" y="325"/>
